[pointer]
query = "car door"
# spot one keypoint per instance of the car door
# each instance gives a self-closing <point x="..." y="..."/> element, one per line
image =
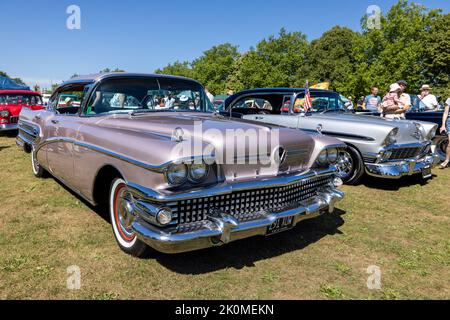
<point x="61" y="129"/>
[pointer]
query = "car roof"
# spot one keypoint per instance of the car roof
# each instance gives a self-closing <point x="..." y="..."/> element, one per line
<point x="19" y="92"/>
<point x="91" y="78"/>
<point x="281" y="90"/>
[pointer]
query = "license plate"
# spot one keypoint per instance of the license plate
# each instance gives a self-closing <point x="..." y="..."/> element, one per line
<point x="426" y="172"/>
<point x="282" y="224"/>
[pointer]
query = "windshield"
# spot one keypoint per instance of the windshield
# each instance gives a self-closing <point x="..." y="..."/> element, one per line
<point x="321" y="102"/>
<point x="29" y="99"/>
<point x="148" y="95"/>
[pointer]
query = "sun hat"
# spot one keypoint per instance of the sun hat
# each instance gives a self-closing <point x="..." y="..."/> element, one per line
<point x="394" y="87"/>
<point x="68" y="99"/>
<point x="184" y="98"/>
<point x="425" y="87"/>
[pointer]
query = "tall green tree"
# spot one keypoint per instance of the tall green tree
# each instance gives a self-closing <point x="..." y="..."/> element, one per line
<point x="182" y="69"/>
<point x="332" y="58"/>
<point x="275" y="62"/>
<point x="214" y="67"/>
<point x="396" y="50"/>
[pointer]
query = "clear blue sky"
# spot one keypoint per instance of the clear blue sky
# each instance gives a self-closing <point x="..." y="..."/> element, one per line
<point x="141" y="36"/>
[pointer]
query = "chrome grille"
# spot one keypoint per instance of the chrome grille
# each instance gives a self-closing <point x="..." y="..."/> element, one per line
<point x="248" y="205"/>
<point x="406" y="153"/>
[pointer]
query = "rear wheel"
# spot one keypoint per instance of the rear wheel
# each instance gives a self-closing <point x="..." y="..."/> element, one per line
<point x="121" y="219"/>
<point x="38" y="170"/>
<point x="350" y="166"/>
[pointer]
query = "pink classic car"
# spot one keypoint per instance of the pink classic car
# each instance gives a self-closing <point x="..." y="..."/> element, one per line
<point x="174" y="175"/>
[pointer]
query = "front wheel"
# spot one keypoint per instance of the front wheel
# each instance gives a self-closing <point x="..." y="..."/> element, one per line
<point x="121" y="219"/>
<point x="350" y="166"/>
<point x="38" y="170"/>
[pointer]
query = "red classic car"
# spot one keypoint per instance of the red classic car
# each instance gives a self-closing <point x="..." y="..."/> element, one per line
<point x="12" y="102"/>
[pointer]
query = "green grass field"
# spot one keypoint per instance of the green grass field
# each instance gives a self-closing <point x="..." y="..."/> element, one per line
<point x="402" y="227"/>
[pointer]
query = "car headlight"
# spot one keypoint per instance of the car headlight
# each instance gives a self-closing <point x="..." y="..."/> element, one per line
<point x="177" y="173"/>
<point x="164" y="216"/>
<point x="332" y="155"/>
<point x="391" y="138"/>
<point x="322" y="159"/>
<point x="4" y="113"/>
<point x="198" y="172"/>
<point x="432" y="133"/>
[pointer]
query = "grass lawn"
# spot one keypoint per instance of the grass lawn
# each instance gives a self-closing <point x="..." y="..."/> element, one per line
<point x="402" y="227"/>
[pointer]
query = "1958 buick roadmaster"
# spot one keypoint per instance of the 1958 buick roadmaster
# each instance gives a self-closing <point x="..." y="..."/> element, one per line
<point x="121" y="147"/>
<point x="379" y="147"/>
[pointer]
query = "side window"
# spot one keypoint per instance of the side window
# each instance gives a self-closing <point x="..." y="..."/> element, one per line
<point x="68" y="100"/>
<point x="253" y="103"/>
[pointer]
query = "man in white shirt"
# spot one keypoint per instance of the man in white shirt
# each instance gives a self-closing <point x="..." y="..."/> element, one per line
<point x="428" y="101"/>
<point x="404" y="98"/>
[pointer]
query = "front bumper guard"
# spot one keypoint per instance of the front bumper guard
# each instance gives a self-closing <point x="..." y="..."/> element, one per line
<point x="223" y="228"/>
<point x="396" y="170"/>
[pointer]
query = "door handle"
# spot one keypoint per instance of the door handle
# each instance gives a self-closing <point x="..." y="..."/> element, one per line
<point x="55" y="121"/>
<point x="259" y="118"/>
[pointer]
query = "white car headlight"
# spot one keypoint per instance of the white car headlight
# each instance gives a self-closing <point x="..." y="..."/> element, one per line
<point x="164" y="216"/>
<point x="4" y="113"/>
<point x="323" y="157"/>
<point x="332" y="155"/>
<point x="391" y="138"/>
<point x="198" y="172"/>
<point x="177" y="174"/>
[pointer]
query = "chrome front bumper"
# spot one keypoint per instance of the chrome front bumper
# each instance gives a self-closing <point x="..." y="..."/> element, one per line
<point x="220" y="228"/>
<point x="9" y="127"/>
<point x="398" y="169"/>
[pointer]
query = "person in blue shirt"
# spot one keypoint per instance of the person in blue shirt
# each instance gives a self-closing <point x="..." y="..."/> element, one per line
<point x="373" y="101"/>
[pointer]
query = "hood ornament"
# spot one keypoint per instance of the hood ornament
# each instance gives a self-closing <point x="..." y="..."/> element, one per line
<point x="319" y="129"/>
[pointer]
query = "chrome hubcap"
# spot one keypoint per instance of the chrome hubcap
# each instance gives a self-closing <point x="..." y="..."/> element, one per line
<point x="344" y="164"/>
<point x="125" y="211"/>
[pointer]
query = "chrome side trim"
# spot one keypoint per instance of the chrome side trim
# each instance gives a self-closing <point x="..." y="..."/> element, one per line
<point x="159" y="168"/>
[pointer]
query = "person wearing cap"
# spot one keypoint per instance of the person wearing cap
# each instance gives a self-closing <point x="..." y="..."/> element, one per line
<point x="428" y="101"/>
<point x="404" y="97"/>
<point x="392" y="106"/>
<point x="445" y="129"/>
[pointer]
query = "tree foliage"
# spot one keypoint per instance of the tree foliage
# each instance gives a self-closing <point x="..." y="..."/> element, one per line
<point x="412" y="44"/>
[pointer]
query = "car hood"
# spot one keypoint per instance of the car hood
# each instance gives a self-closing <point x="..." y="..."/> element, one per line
<point x="216" y="135"/>
<point x="407" y="130"/>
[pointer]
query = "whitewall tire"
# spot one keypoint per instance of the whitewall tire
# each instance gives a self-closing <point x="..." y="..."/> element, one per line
<point x="120" y="220"/>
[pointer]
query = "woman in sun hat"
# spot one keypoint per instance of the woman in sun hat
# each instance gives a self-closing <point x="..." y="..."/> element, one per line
<point x="392" y="106"/>
<point x="445" y="129"/>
